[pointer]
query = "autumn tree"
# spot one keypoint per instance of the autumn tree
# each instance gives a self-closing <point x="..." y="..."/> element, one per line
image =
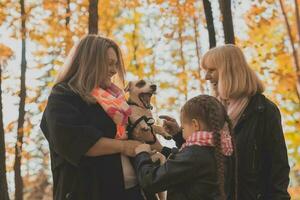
<point x="93" y="16"/>
<point x="20" y="131"/>
<point x="225" y="7"/>
<point x="292" y="41"/>
<point x="57" y="47"/>
<point x="5" y="54"/>
<point x="111" y="20"/>
<point x="210" y="23"/>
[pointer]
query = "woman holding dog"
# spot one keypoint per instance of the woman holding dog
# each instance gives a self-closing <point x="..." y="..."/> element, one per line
<point x="263" y="169"/>
<point x="84" y="123"/>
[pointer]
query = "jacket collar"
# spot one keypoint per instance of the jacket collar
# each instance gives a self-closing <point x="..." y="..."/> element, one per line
<point x="255" y="105"/>
<point x="62" y="89"/>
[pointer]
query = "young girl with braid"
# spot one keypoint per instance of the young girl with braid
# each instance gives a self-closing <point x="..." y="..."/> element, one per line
<point x="203" y="168"/>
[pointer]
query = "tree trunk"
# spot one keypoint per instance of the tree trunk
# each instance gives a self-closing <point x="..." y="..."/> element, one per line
<point x="209" y="23"/>
<point x="198" y="51"/>
<point x="68" y="12"/>
<point x="183" y="64"/>
<point x="135" y="46"/>
<point x="297" y="19"/>
<point x="3" y="180"/>
<point x="20" y="131"/>
<point x="68" y="38"/>
<point x="225" y="7"/>
<point x="93" y="16"/>
<point x="295" y="54"/>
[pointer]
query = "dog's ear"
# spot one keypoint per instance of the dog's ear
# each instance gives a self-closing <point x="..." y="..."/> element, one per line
<point x="127" y="88"/>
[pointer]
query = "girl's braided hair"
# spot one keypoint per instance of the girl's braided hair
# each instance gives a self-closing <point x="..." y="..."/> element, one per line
<point x="210" y="111"/>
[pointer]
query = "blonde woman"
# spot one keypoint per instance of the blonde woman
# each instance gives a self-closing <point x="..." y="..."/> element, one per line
<point x="263" y="169"/>
<point x="84" y="123"/>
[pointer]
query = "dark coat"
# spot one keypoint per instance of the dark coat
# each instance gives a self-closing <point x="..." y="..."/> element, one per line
<point x="190" y="174"/>
<point x="263" y="169"/>
<point x="72" y="127"/>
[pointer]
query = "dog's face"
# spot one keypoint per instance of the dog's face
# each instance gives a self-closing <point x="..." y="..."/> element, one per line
<point x="140" y="92"/>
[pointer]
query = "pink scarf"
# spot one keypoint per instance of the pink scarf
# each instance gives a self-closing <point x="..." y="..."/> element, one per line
<point x="113" y="101"/>
<point x="235" y="108"/>
<point x="203" y="138"/>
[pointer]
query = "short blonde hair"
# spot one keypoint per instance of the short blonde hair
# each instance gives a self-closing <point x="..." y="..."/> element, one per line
<point x="236" y="78"/>
<point x="86" y="66"/>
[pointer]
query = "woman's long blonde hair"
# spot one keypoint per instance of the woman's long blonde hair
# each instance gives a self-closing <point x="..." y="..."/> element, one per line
<point x="86" y="66"/>
<point x="236" y="78"/>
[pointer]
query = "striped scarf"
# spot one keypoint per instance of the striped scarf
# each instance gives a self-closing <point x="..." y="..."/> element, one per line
<point x="203" y="138"/>
<point x="113" y="101"/>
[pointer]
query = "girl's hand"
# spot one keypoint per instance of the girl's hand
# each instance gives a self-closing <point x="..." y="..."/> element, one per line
<point x="170" y="125"/>
<point x="158" y="156"/>
<point x="143" y="148"/>
<point x="128" y="147"/>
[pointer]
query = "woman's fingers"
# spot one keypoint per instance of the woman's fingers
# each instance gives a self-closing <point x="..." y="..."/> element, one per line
<point x="130" y="146"/>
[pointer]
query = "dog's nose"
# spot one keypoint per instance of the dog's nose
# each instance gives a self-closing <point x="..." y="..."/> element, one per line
<point x="153" y="87"/>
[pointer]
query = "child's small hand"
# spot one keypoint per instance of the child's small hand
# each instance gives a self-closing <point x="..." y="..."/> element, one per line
<point x="158" y="156"/>
<point x="170" y="125"/>
<point x="143" y="148"/>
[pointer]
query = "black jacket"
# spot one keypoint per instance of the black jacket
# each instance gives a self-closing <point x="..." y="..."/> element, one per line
<point x="71" y="127"/>
<point x="263" y="169"/>
<point x="190" y="174"/>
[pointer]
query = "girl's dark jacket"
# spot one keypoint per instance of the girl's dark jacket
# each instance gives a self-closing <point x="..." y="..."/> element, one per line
<point x="190" y="174"/>
<point x="263" y="168"/>
<point x="71" y="127"/>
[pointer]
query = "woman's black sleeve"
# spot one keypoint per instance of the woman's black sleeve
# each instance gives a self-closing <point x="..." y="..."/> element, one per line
<point x="66" y="129"/>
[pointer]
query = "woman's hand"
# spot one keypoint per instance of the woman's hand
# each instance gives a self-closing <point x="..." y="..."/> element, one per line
<point x="143" y="148"/>
<point x="170" y="125"/>
<point x="129" y="146"/>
